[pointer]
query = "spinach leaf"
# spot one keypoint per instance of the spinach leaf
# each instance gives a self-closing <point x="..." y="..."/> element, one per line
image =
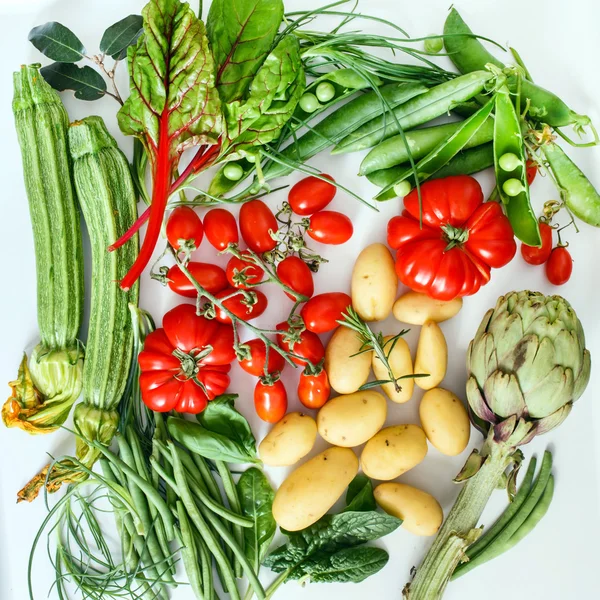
<point x="350" y="565"/>
<point x="57" y="42"/>
<point x="220" y="416"/>
<point x="241" y="33"/>
<point x="86" y="82"/>
<point x="256" y="498"/>
<point x="118" y="37"/>
<point x="360" y="494"/>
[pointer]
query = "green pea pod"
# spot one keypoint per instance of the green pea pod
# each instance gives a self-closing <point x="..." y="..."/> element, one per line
<point x="444" y="152"/>
<point x="221" y="185"/>
<point x="578" y="193"/>
<point x="508" y="140"/>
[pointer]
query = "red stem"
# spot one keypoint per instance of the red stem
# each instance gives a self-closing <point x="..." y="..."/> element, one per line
<point x="131" y="231"/>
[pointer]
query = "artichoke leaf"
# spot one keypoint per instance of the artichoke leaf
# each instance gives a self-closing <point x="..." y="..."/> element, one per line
<point x="505" y="394"/>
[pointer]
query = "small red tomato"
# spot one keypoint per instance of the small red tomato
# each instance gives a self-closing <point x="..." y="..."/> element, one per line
<point x="256" y="221"/>
<point x="220" y="228"/>
<point x="255" y="365"/>
<point x="311" y="194"/>
<point x="308" y="346"/>
<point x="184" y="225"/>
<point x="330" y="227"/>
<point x="322" y="313"/>
<point x="240" y="273"/>
<point x="237" y="305"/>
<point x="559" y="266"/>
<point x="293" y="272"/>
<point x="270" y="401"/>
<point x="531" y="170"/>
<point x="538" y="256"/>
<point x="314" y="390"/>
<point x="211" y="277"/>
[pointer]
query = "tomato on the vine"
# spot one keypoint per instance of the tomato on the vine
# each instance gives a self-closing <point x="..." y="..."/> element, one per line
<point x="270" y="400"/>
<point x="220" y="228"/>
<point x="255" y="364"/>
<point x="322" y="313"/>
<point x="531" y="170"/>
<point x="256" y="224"/>
<point x="243" y="273"/>
<point x="293" y="272"/>
<point x="306" y="345"/>
<point x="211" y="277"/>
<point x="559" y="266"/>
<point x="538" y="256"/>
<point x="314" y="390"/>
<point x="330" y="227"/>
<point x="239" y="306"/>
<point x="311" y="194"/>
<point x="184" y="225"/>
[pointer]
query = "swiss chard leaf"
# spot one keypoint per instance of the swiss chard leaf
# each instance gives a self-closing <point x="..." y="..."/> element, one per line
<point x="256" y="498"/>
<point x="86" y="82"/>
<point x="241" y="34"/>
<point x="118" y="37"/>
<point x="360" y="494"/>
<point x="57" y="42"/>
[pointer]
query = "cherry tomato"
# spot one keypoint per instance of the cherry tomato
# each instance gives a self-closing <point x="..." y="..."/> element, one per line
<point x="310" y="195"/>
<point x="256" y="221"/>
<point x="247" y="272"/>
<point x="270" y="401"/>
<point x="211" y="277"/>
<point x="559" y="266"/>
<point x="238" y="307"/>
<point x="309" y="346"/>
<point x="314" y="390"/>
<point x="220" y="228"/>
<point x="538" y="256"/>
<point x="255" y="365"/>
<point x="296" y="275"/>
<point x="322" y="313"/>
<point x="184" y="224"/>
<point x="531" y="170"/>
<point x="330" y="227"/>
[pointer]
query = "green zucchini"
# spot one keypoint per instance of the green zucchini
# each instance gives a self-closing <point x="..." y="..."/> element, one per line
<point x="50" y="382"/>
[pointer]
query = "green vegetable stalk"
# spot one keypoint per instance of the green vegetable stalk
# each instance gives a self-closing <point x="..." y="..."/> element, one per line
<point x="49" y="383"/>
<point x="527" y="366"/>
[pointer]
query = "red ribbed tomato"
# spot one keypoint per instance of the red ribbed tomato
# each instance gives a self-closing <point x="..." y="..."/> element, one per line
<point x="460" y="241"/>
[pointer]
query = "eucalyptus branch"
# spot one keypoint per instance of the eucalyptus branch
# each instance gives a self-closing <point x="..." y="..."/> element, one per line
<point x="99" y="61"/>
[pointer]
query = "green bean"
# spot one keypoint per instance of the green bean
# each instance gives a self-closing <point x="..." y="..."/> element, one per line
<point x="509" y="139"/>
<point x="189" y="552"/>
<point x="206" y="565"/>
<point x="435" y="102"/>
<point x="207" y="476"/>
<point x="578" y="193"/>
<point x="234" y="503"/>
<point x="394" y="151"/>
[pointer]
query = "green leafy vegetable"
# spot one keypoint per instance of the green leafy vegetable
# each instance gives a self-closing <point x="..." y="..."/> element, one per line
<point x="57" y="42"/>
<point x="86" y="82"/>
<point x="118" y="37"/>
<point x="360" y="494"/>
<point x="241" y="34"/>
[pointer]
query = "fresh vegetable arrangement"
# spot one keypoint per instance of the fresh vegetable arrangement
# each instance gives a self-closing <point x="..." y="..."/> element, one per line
<point x="244" y="97"/>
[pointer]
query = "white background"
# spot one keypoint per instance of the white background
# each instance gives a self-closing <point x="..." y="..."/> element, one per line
<point x="559" y="42"/>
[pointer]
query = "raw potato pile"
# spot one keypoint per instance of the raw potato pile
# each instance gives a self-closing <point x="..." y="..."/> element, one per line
<point x="357" y="416"/>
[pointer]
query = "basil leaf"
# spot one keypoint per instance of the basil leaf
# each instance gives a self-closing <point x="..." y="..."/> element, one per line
<point x="360" y="494"/>
<point x="256" y="498"/>
<point x="241" y="33"/>
<point x="207" y="443"/>
<point x="350" y="565"/>
<point x="57" y="42"/>
<point x="221" y="417"/>
<point x="118" y="37"/>
<point x="86" y="82"/>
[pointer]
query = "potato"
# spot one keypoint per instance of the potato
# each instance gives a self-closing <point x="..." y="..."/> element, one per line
<point x="353" y="419"/>
<point x="401" y="363"/>
<point x="416" y="309"/>
<point x="445" y="421"/>
<point x="432" y="356"/>
<point x="346" y="373"/>
<point x="313" y="488"/>
<point x="420" y="512"/>
<point x="393" y="451"/>
<point x="290" y="440"/>
<point x="374" y="283"/>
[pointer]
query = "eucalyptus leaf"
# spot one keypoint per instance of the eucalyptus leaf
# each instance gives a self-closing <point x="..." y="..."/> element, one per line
<point x="57" y="42"/>
<point x="86" y="82"/>
<point x="360" y="494"/>
<point x="118" y="37"/>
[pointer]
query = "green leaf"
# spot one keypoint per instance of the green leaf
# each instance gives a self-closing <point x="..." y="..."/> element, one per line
<point x="256" y="498"/>
<point x="57" y="42"/>
<point x="241" y="34"/>
<point x="118" y="37"/>
<point x="86" y="82"/>
<point x="360" y="494"/>
<point x="350" y="565"/>
<point x="221" y="417"/>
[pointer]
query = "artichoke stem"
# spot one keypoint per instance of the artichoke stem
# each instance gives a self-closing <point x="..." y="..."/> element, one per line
<point x="460" y="530"/>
